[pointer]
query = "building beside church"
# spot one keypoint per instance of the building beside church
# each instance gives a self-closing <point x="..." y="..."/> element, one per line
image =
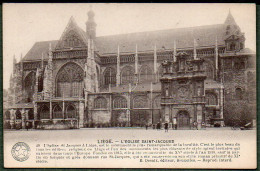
<point x="199" y="74"/>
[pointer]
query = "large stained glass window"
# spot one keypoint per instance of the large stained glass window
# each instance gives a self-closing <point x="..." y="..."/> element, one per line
<point x="109" y="76"/>
<point x="146" y="74"/>
<point x="70" y="81"/>
<point x="127" y="75"/>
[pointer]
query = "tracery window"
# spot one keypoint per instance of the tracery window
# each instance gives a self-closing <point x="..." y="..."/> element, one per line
<point x="29" y="83"/>
<point x="127" y="75"/>
<point x="72" y="40"/>
<point x="120" y="102"/>
<point x="18" y="114"/>
<point x="146" y="74"/>
<point x="57" y="112"/>
<point x="45" y="112"/>
<point x="239" y="94"/>
<point x="110" y="76"/>
<point x="70" y="81"/>
<point x="71" y="111"/>
<point x="100" y="103"/>
<point x="211" y="99"/>
<point x="141" y="102"/>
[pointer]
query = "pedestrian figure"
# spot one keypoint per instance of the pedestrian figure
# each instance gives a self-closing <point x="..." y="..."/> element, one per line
<point x="166" y="127"/>
<point x="27" y="125"/>
<point x="158" y="126"/>
<point x="195" y="125"/>
<point x="146" y="126"/>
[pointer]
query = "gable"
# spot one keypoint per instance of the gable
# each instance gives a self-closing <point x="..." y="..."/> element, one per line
<point x="72" y="37"/>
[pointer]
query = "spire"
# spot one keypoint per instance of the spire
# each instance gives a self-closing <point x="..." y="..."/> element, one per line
<point x="118" y="67"/>
<point x="91" y="24"/>
<point x="230" y="19"/>
<point x="155" y="59"/>
<point x="136" y="60"/>
<point x="21" y="57"/>
<point x="174" y="51"/>
<point x="50" y="52"/>
<point x="14" y="60"/>
<point x="42" y="61"/>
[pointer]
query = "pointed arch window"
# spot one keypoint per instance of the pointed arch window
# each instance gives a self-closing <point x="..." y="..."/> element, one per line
<point x="57" y="112"/>
<point x="141" y="102"/>
<point x="146" y="74"/>
<point x="45" y="112"/>
<point x="70" y="111"/>
<point x="18" y="114"/>
<point x="127" y="75"/>
<point x="120" y="103"/>
<point x="100" y="103"/>
<point x="70" y="81"/>
<point x="109" y="76"/>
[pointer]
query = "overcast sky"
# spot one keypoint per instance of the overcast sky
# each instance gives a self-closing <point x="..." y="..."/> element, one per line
<point x="25" y="24"/>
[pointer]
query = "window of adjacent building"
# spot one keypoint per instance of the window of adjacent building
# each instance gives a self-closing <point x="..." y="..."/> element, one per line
<point x="127" y="75"/>
<point x="146" y="74"/>
<point x="57" y="112"/>
<point x="239" y="94"/>
<point x="232" y="46"/>
<point x="109" y="76"/>
<point x="70" y="81"/>
<point x="100" y="103"/>
<point x="45" y="112"/>
<point x="211" y="99"/>
<point x="70" y="111"/>
<point x="120" y="102"/>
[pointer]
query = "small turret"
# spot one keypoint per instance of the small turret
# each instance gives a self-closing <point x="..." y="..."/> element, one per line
<point x="91" y="25"/>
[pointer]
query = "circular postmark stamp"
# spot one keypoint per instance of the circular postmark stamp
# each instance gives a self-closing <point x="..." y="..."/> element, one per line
<point x="21" y="151"/>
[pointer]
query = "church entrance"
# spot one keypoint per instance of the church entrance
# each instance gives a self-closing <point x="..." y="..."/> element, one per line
<point x="183" y="120"/>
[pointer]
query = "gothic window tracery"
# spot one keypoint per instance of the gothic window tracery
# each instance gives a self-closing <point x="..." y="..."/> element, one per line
<point x="45" y="112"/>
<point x="71" y="111"/>
<point x="109" y="76"/>
<point x="70" y="81"/>
<point x="120" y="102"/>
<point x="211" y="99"/>
<point x="127" y="75"/>
<point x="72" y="39"/>
<point x="100" y="103"/>
<point x="57" y="112"/>
<point x="141" y="102"/>
<point x="146" y="74"/>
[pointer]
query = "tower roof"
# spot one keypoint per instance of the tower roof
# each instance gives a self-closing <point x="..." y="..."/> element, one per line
<point x="230" y="19"/>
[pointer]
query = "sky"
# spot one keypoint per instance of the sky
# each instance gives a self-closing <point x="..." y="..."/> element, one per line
<point x="25" y="24"/>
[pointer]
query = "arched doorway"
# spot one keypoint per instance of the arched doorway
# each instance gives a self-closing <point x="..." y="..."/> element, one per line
<point x="183" y="120"/>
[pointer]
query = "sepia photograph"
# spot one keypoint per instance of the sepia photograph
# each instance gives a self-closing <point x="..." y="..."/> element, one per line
<point x="129" y="85"/>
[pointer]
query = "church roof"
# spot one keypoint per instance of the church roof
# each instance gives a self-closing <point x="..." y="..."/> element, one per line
<point x="204" y="35"/>
<point x="38" y="50"/>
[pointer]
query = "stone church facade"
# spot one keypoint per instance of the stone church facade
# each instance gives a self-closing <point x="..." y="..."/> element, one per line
<point x="201" y="74"/>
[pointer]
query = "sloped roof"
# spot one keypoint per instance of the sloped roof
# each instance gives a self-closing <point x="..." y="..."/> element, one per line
<point x="184" y="38"/>
<point x="39" y="49"/>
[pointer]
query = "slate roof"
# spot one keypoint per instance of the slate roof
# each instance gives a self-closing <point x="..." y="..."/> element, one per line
<point x="39" y="49"/>
<point x="184" y="37"/>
